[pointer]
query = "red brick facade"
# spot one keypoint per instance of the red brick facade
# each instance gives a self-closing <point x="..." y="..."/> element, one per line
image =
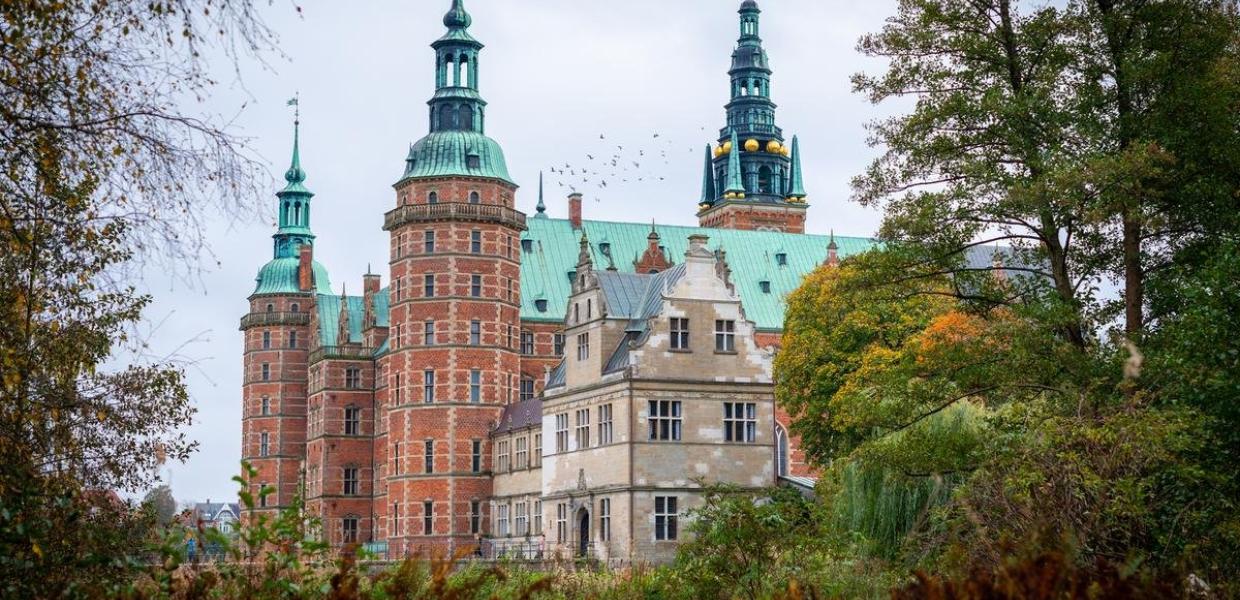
<point x="788" y="218"/>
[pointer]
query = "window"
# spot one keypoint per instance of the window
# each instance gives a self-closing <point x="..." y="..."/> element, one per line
<point x="353" y="378"/>
<point x="536" y="458"/>
<point x="522" y="520"/>
<point x="432" y="198"/>
<point x="765" y="286"/>
<point x="396" y="458"/>
<point x="266" y="405"/>
<point x="475" y="386"/>
<point x="501" y="456"/>
<point x="271" y="308"/>
<point x="604" y="425"/>
<point x="781" y="451"/>
<point x="508" y="343"/>
<point x="428" y="284"/>
<point x="475" y="459"/>
<point x="475" y="286"/>
<point x="740" y="421"/>
<point x="527" y="343"/>
<point x="680" y="334"/>
<point x="266" y="340"/>
<point x="664" y="419"/>
<point x="589" y="308"/>
<point x="395" y="519"/>
<point x="292" y="339"/>
<point x="262" y="498"/>
<point x="561" y="522"/>
<point x="475" y="516"/>
<point x="583" y="346"/>
<point x="576" y="312"/>
<point x="350" y="481"/>
<point x="397" y="388"/>
<point x="428" y="241"/>
<point x="527" y="389"/>
<point x="664" y="517"/>
<point x="475" y="198"/>
<point x="522" y="452"/>
<point x="428" y="333"/>
<point x="428" y="456"/>
<point x="296" y="308"/>
<point x="428" y="387"/>
<point x="781" y="259"/>
<point x="475" y="333"/>
<point x="475" y="242"/>
<point x="527" y="245"/>
<point x="604" y="519"/>
<point x="559" y="344"/>
<point x="262" y="444"/>
<point x="561" y="432"/>
<point x="348" y="530"/>
<point x="725" y="336"/>
<point x="428" y="517"/>
<point x="266" y="372"/>
<point x="583" y="429"/>
<point x="352" y="421"/>
<point x="501" y="520"/>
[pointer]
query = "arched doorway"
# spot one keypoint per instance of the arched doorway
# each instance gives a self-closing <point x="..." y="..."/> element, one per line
<point x="583" y="533"/>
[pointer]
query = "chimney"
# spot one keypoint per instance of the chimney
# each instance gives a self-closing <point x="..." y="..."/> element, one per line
<point x="574" y="210"/>
<point x="305" y="272"/>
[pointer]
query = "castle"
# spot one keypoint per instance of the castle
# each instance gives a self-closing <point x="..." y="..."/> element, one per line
<point x="532" y="386"/>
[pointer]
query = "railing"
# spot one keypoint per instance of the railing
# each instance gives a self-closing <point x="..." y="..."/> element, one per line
<point x="483" y="213"/>
<point x="262" y="319"/>
<point x="748" y="128"/>
<point x="344" y="352"/>
<point x="514" y="549"/>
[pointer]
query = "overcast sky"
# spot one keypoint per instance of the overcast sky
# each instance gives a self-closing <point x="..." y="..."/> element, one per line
<point x="556" y="74"/>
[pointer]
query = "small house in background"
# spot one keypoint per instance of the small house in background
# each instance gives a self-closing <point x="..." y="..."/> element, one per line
<point x="220" y="515"/>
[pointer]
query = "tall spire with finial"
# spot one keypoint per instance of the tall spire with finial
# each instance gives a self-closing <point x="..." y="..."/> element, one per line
<point x="735" y="186"/>
<point x="796" y="183"/>
<point x="708" y="181"/>
<point x="541" y="209"/>
<point x="293" y="207"/>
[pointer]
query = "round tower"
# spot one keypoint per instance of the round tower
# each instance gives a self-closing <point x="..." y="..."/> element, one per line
<point x="453" y="359"/>
<point x="277" y="338"/>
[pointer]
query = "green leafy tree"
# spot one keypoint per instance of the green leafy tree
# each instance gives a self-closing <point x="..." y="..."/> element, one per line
<point x="100" y="168"/>
<point x="161" y="501"/>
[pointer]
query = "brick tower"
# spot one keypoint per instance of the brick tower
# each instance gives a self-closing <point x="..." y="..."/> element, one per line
<point x="277" y="337"/>
<point x="752" y="179"/>
<point x="452" y="362"/>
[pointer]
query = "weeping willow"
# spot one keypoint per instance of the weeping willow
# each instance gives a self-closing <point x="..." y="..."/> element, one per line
<point x="887" y="488"/>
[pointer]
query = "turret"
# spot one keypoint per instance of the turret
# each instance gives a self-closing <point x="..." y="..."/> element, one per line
<point x="749" y="182"/>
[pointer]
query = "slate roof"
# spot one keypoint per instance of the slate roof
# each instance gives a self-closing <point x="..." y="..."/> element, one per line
<point x="210" y="511"/>
<point x="520" y="415"/>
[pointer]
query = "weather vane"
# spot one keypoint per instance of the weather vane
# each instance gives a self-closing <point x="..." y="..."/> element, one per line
<point x="295" y="102"/>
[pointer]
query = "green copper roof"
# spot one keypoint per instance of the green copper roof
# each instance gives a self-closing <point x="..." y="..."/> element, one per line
<point x="734" y="184"/>
<point x="708" y="180"/>
<point x="796" y="184"/>
<point x="447" y="153"/>
<point x="328" y="306"/>
<point x="280" y="277"/>
<point x="750" y="254"/>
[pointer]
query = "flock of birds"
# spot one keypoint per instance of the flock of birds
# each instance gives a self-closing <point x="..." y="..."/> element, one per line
<point x="609" y="165"/>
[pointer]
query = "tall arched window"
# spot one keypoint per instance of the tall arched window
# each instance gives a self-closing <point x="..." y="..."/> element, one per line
<point x="764" y="180"/>
<point x="449" y="67"/>
<point x="464" y="82"/>
<point x="475" y="198"/>
<point x="432" y="198"/>
<point x="781" y="451"/>
<point x="447" y="117"/>
<point x="297" y="213"/>
<point x="466" y="119"/>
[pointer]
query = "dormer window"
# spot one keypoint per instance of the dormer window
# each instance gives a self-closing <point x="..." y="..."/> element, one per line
<point x="765" y="286"/>
<point x="605" y="248"/>
<point x="572" y="276"/>
<point x="541" y="305"/>
<point x="781" y="259"/>
<point x="473" y="161"/>
<point x="527" y="245"/>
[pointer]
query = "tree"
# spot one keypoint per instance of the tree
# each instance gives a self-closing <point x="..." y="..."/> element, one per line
<point x="100" y="167"/>
<point x="165" y="506"/>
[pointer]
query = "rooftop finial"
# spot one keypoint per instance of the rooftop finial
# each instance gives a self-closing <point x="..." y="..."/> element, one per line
<point x="541" y="208"/>
<point x="295" y="174"/>
<point x="832" y="245"/>
<point x="457" y="18"/>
